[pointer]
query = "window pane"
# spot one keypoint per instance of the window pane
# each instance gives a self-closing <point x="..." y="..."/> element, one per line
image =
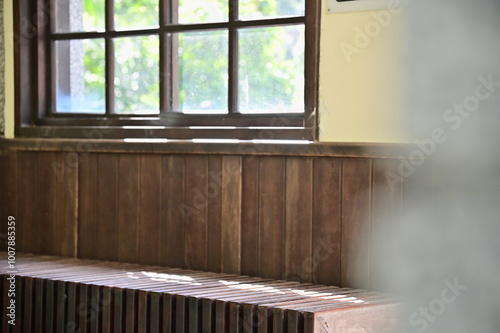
<point x="136" y="14"/>
<point x="256" y="9"/>
<point x="203" y="11"/>
<point x="78" y="15"/>
<point x="80" y="76"/>
<point x="271" y="70"/>
<point x="137" y="74"/>
<point x="203" y="68"/>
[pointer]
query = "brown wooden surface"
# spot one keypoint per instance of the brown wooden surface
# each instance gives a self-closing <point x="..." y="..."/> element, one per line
<point x="195" y="220"/>
<point x="329" y="149"/>
<point x="272" y="217"/>
<point x="298" y="218"/>
<point x="250" y="216"/>
<point x="96" y="296"/>
<point x="128" y="203"/>
<point x="326" y="235"/>
<point x="315" y="219"/>
<point x="231" y="215"/>
<point x="107" y="207"/>
<point x="150" y="209"/>
<point x="214" y="197"/>
<point x="172" y="226"/>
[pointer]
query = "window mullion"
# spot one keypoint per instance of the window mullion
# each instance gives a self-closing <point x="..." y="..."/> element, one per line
<point x="233" y="58"/>
<point x="110" y="57"/>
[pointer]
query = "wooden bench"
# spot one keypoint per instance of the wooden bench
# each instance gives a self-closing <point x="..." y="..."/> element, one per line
<point x="55" y="294"/>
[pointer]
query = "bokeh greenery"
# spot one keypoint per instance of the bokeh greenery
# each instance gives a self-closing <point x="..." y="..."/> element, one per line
<point x="270" y="59"/>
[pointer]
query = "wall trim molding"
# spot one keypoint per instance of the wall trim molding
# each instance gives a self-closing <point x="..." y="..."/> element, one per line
<point x="298" y="148"/>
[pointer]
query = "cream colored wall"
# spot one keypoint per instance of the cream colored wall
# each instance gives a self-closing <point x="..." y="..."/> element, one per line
<point x="9" y="69"/>
<point x="361" y="92"/>
<point x="360" y="99"/>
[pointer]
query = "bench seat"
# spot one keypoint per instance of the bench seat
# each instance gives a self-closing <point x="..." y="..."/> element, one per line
<point x="56" y="294"/>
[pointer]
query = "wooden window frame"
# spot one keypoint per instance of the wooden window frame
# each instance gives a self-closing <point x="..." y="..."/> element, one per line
<point x="32" y="38"/>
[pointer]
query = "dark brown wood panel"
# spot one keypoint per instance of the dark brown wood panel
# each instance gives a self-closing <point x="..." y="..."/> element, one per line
<point x="172" y="229"/>
<point x="87" y="207"/>
<point x="214" y="193"/>
<point x="128" y="207"/>
<point x="66" y="205"/>
<point x="8" y="194"/>
<point x="47" y="175"/>
<point x="317" y="219"/>
<point x="27" y="228"/>
<point x="150" y="209"/>
<point x="107" y="207"/>
<point x="271" y="220"/>
<point x="326" y="220"/>
<point x="356" y="204"/>
<point x="298" y="219"/>
<point x="231" y="214"/>
<point x="195" y="220"/>
<point x="250" y="216"/>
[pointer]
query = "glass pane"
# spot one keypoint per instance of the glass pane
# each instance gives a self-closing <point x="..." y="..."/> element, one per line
<point x="203" y="68"/>
<point x="80" y="76"/>
<point x="256" y="9"/>
<point x="78" y="15"/>
<point x="203" y="11"/>
<point x="271" y="70"/>
<point x="137" y="74"/>
<point x="136" y="14"/>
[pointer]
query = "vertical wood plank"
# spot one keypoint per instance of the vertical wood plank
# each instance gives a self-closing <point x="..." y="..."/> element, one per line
<point x="87" y="208"/>
<point x="356" y="189"/>
<point x="231" y="214"/>
<point x="107" y="207"/>
<point x="27" y="228"/>
<point x="326" y="221"/>
<point x="66" y="206"/>
<point x="149" y="209"/>
<point x="385" y="216"/>
<point x="128" y="207"/>
<point x="214" y="193"/>
<point x="196" y="200"/>
<point x="298" y="219"/>
<point x="271" y="220"/>
<point x="172" y="223"/>
<point x="250" y="216"/>
<point x="46" y="200"/>
<point x="8" y="196"/>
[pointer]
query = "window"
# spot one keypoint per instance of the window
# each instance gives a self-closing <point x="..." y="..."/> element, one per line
<point x="180" y="69"/>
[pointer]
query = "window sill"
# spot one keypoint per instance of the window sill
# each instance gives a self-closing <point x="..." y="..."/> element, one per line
<point x="207" y="146"/>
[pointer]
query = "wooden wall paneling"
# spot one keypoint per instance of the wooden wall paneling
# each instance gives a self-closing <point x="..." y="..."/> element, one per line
<point x="66" y="204"/>
<point x="27" y="226"/>
<point x="128" y="207"/>
<point x="172" y="229"/>
<point x="250" y="216"/>
<point x="87" y="207"/>
<point x="107" y="207"/>
<point x="195" y="220"/>
<point x="327" y="212"/>
<point x="214" y="193"/>
<point x="231" y="214"/>
<point x="46" y="201"/>
<point x="356" y="202"/>
<point x="8" y="195"/>
<point x="271" y="220"/>
<point x="298" y="219"/>
<point x="149" y="209"/>
<point x="386" y="215"/>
